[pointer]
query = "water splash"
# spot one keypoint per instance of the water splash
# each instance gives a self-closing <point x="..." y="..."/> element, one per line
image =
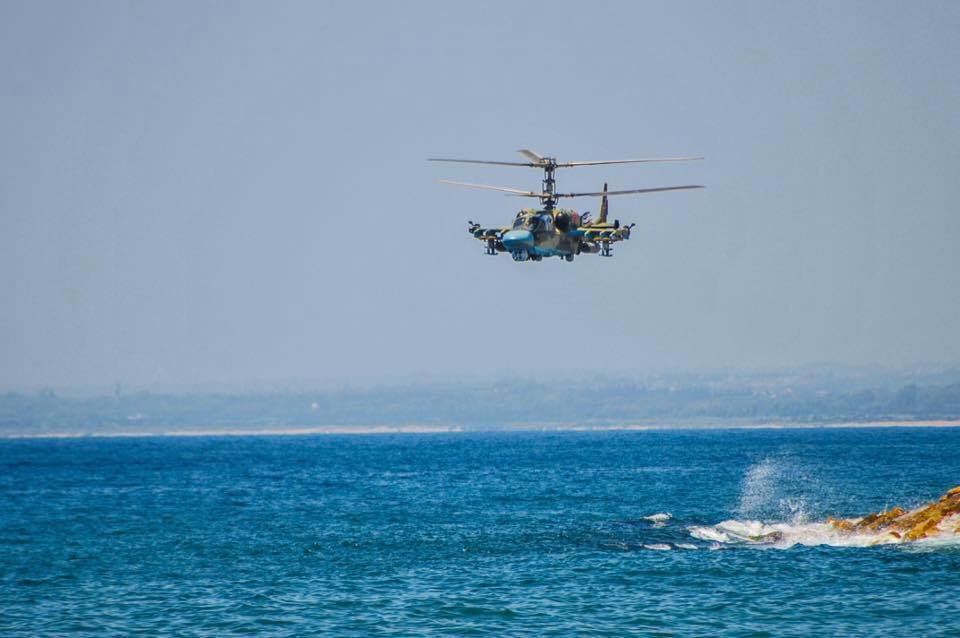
<point x="758" y="487"/>
<point x="777" y="489"/>
<point x="934" y="525"/>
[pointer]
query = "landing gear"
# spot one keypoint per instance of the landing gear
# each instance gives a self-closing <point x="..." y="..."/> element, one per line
<point x="520" y="255"/>
<point x="606" y="250"/>
<point x="568" y="257"/>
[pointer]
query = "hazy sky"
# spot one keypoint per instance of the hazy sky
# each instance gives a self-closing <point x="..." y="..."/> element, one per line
<point x="235" y="193"/>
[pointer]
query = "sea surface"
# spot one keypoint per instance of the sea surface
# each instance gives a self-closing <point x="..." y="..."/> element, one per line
<point x="499" y="534"/>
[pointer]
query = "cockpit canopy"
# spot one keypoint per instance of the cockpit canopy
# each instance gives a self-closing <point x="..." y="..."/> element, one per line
<point x="533" y="223"/>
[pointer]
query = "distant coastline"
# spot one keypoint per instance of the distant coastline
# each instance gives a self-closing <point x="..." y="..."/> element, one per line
<point x="728" y="400"/>
<point x="441" y="429"/>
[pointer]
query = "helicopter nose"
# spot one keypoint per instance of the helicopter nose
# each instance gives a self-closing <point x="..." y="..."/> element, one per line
<point x="517" y="239"/>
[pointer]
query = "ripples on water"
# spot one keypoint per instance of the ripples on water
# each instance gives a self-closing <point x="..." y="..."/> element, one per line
<point x="496" y="534"/>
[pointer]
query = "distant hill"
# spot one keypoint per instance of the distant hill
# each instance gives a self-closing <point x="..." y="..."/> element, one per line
<point x="506" y="404"/>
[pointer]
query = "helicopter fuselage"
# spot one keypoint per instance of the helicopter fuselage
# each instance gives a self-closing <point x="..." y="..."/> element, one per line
<point x="563" y="233"/>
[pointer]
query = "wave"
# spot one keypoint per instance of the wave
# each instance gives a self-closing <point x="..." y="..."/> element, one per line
<point x="935" y="524"/>
<point x="660" y="519"/>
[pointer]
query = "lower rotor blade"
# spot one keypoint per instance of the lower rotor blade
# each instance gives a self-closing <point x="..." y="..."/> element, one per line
<point x="629" y="192"/>
<point x="467" y="161"/>
<point x="511" y="191"/>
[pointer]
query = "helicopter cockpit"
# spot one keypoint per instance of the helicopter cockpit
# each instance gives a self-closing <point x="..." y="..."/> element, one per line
<point x="533" y="223"/>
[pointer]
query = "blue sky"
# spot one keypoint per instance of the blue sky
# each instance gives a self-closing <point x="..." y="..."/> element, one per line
<point x="235" y="194"/>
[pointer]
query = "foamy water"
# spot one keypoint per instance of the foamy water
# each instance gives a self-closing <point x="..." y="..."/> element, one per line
<point x="786" y="535"/>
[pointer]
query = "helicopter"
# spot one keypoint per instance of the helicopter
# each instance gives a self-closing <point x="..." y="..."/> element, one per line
<point x="549" y="231"/>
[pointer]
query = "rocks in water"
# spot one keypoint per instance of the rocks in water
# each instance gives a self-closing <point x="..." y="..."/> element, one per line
<point x="842" y="524"/>
<point x="772" y="537"/>
<point x="916" y="524"/>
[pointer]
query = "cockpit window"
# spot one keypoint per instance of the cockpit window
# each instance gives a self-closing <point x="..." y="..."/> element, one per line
<point x="533" y="222"/>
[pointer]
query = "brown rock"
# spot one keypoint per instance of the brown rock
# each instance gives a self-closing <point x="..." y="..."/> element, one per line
<point x="881" y="520"/>
<point x="841" y="524"/>
<point x="913" y="525"/>
<point x="772" y="537"/>
<point x="923" y="529"/>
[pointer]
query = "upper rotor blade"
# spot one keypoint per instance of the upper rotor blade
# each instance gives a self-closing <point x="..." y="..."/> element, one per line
<point x="628" y="161"/>
<point x="512" y="191"/>
<point x="533" y="156"/>
<point x="629" y="192"/>
<point x="467" y="161"/>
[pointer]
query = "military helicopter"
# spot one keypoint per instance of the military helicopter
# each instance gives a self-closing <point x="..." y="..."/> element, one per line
<point x="550" y="231"/>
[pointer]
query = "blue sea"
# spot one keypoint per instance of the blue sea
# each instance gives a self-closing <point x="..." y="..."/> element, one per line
<point x="499" y="534"/>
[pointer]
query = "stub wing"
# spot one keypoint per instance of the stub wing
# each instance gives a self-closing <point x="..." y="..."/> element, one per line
<point x="489" y="236"/>
<point x="486" y="234"/>
<point x="603" y="232"/>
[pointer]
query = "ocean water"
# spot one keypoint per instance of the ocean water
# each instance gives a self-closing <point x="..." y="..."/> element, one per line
<point x="501" y="534"/>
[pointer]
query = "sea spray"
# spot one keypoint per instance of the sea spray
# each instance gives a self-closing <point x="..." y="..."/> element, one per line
<point x="936" y="524"/>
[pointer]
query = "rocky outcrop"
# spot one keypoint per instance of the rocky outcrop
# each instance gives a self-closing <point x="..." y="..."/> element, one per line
<point x="942" y="516"/>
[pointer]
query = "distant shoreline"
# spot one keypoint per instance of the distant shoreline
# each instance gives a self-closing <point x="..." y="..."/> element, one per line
<point x="443" y="429"/>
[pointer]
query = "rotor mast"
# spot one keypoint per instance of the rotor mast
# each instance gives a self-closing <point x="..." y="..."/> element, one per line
<point x="548" y="195"/>
<point x="549" y="198"/>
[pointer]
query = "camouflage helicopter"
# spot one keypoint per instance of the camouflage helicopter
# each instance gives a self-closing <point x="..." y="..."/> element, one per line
<point x="550" y="231"/>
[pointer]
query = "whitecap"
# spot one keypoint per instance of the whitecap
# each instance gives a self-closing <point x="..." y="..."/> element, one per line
<point x="660" y="517"/>
<point x="785" y="535"/>
<point x="709" y="533"/>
